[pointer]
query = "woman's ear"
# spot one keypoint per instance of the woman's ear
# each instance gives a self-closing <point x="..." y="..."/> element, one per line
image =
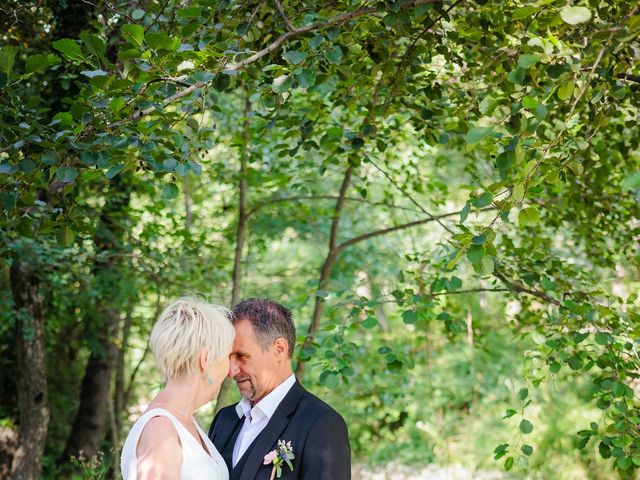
<point x="204" y="359"/>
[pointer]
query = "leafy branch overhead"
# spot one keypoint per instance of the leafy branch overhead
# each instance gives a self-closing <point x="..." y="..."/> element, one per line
<point x="393" y="170"/>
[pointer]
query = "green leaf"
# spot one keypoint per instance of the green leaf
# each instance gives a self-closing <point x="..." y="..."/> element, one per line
<point x="67" y="174"/>
<point x="631" y="182"/>
<point x="115" y="170"/>
<point x="528" y="217"/>
<point x="575" y="15"/>
<point x="37" y="63"/>
<point x="316" y="41"/>
<point x="500" y="451"/>
<point x="479" y="239"/>
<point x="517" y="75"/>
<point x="475" y="253"/>
<point x="477" y="133"/>
<point x="527" y="60"/>
<point x="294" y="57"/>
<point x="49" y="158"/>
<point x="334" y="54"/>
<point x="65" y="236"/>
<point x="137" y="14"/>
<point x="281" y="84"/>
<point x="508" y="463"/>
<point x="94" y="44"/>
<point x="69" y="49"/>
<point x="486" y="266"/>
<point x="169" y="191"/>
<point x="526" y="426"/>
<point x="576" y="168"/>
<point x="162" y="41"/>
<point x="602" y="338"/>
<point x="483" y="200"/>
<point x="517" y="194"/>
<point x="523" y="393"/>
<point x="7" y="59"/>
<point x="182" y="169"/>
<point x="464" y="213"/>
<point x="332" y="33"/>
<point x="527" y="449"/>
<point x="524" y="12"/>
<point x="510" y="412"/>
<point x="529" y="103"/>
<point x="8" y="200"/>
<point x="623" y="463"/>
<point x="94" y="73"/>
<point x="565" y="90"/>
<point x="409" y="317"/>
<point x="134" y="34"/>
<point x="27" y="165"/>
<point x="369" y="322"/>
<point x="329" y="379"/>
<point x="306" y="78"/>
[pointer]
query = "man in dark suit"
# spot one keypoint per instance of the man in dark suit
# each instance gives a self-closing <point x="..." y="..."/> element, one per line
<point x="275" y="407"/>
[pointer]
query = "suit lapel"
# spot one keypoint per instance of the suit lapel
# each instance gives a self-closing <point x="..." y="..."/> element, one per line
<point x="271" y="433"/>
<point x="224" y="437"/>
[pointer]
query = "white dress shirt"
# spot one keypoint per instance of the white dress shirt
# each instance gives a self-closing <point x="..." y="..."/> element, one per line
<point x="256" y="418"/>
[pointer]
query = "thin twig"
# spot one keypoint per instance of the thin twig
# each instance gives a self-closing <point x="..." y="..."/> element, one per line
<point x="284" y="17"/>
<point x="157" y="16"/>
<point x="296" y="198"/>
<point x="519" y="287"/>
<point x="402" y="190"/>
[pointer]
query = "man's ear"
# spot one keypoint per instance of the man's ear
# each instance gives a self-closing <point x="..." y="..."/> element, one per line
<point x="204" y="359"/>
<point x="281" y="347"/>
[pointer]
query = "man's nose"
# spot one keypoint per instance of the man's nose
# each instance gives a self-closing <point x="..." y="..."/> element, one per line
<point x="233" y="369"/>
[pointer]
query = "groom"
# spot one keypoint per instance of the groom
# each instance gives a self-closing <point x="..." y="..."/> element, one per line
<point x="275" y="406"/>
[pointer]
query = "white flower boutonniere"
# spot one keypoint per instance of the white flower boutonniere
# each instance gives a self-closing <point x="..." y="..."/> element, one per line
<point x="282" y="453"/>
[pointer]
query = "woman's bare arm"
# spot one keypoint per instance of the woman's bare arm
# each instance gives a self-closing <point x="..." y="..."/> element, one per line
<point x="159" y="451"/>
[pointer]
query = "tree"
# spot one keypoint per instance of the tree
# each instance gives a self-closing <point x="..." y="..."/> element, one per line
<point x="508" y="129"/>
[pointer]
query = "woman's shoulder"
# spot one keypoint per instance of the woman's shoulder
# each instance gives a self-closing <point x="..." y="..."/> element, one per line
<point x="159" y="447"/>
<point x="152" y="448"/>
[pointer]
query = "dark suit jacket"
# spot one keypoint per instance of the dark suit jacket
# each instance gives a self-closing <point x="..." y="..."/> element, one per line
<point x="318" y="435"/>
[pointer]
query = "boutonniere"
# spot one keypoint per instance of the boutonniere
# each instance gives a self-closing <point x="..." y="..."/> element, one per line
<point x="282" y="453"/>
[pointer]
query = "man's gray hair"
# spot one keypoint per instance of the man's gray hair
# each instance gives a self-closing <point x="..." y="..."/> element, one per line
<point x="269" y="320"/>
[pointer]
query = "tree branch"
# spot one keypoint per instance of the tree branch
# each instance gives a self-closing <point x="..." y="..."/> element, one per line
<point x="295" y="198"/>
<point x="628" y="76"/>
<point x="471" y="290"/>
<point x="401" y="65"/>
<point x="519" y="287"/>
<point x="422" y="209"/>
<point x="344" y="17"/>
<point x="153" y="22"/>
<point x="384" y="231"/>
<point x="284" y="17"/>
<point x="327" y="266"/>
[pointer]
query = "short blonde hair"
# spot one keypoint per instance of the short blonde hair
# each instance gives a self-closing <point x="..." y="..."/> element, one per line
<point x="183" y="329"/>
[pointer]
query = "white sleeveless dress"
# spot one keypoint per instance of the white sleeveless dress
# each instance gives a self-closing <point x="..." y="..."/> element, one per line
<point x="197" y="464"/>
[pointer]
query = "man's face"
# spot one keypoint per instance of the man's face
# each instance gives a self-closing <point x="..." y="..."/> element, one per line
<point x="254" y="371"/>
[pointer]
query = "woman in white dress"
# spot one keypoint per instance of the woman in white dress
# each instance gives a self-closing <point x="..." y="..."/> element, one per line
<point x="191" y="341"/>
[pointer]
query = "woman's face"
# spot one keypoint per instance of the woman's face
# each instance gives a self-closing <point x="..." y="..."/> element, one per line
<point x="217" y="372"/>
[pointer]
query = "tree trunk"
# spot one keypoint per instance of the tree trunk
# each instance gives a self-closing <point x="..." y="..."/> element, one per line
<point x="119" y="382"/>
<point x="33" y="398"/>
<point x="240" y="235"/>
<point x="89" y="424"/>
<point x="327" y="267"/>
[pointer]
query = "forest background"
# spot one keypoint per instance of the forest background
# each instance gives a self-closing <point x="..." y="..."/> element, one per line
<point x="446" y="194"/>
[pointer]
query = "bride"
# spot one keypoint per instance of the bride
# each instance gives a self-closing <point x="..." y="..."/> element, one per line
<point x="191" y="341"/>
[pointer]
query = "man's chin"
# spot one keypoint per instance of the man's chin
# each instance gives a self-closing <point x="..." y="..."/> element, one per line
<point x="247" y="393"/>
